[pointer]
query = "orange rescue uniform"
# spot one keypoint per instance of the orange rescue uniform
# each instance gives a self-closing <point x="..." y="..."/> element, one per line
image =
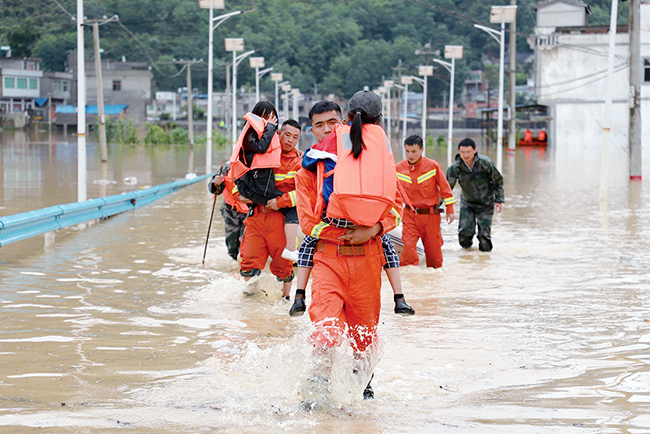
<point x="264" y="235"/>
<point x="425" y="183"/>
<point x="346" y="284"/>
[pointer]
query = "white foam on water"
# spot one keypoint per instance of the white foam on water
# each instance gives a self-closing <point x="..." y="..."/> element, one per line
<point x="53" y="338"/>
<point x="32" y="273"/>
<point x="40" y="306"/>
<point x="28" y="291"/>
<point x="37" y="374"/>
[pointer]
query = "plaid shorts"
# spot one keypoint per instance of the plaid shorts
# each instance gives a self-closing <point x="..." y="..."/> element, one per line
<point x="308" y="248"/>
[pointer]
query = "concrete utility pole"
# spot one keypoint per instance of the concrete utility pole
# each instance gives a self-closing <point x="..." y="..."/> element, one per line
<point x="635" y="89"/>
<point x="82" y="171"/>
<point x="399" y="69"/>
<point x="512" y="123"/>
<point x="188" y="83"/>
<point x="100" y="94"/>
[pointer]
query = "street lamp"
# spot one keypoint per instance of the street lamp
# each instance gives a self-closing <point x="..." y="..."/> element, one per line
<point x="276" y="77"/>
<point x="235" y="45"/>
<point x="285" y="105"/>
<point x="257" y="63"/>
<point x="452" y="52"/>
<point x="388" y="84"/>
<point x="503" y="15"/>
<point x="214" y="23"/>
<point x="296" y="97"/>
<point x="406" y="80"/>
<point x="424" y="71"/>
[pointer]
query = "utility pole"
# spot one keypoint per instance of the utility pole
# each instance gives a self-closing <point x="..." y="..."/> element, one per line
<point x="512" y="122"/>
<point x="190" y="115"/>
<point x="100" y="94"/>
<point x="635" y="88"/>
<point x="100" y="88"/>
<point x="399" y="69"/>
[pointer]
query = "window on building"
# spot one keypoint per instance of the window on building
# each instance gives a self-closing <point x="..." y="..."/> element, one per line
<point x="646" y="70"/>
<point x="33" y="84"/>
<point x="117" y="85"/>
<point x="21" y="83"/>
<point x="56" y="86"/>
<point x="65" y="86"/>
<point x="10" y="83"/>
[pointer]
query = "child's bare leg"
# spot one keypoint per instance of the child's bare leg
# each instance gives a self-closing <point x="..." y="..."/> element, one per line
<point x="291" y="232"/>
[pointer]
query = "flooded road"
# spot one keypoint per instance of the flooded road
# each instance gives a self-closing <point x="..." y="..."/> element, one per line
<point x="118" y="327"/>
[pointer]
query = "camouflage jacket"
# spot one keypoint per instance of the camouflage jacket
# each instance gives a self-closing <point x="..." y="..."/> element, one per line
<point x="482" y="185"/>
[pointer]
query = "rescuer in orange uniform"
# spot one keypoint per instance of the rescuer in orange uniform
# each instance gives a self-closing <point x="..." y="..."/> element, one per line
<point x="349" y="256"/>
<point x="264" y="235"/>
<point x="425" y="183"/>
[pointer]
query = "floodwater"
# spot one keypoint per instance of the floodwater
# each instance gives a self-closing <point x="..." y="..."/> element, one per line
<point x="116" y="326"/>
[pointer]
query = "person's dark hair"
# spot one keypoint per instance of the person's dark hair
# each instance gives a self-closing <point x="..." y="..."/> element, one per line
<point x="324" y="107"/>
<point x="264" y="108"/>
<point x="293" y="123"/>
<point x="414" y="140"/>
<point x="359" y="118"/>
<point x="467" y="142"/>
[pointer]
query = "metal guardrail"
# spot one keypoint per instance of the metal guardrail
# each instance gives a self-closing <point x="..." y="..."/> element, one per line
<point x="18" y="227"/>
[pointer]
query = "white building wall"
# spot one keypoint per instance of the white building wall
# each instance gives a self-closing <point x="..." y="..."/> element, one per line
<point x="572" y="81"/>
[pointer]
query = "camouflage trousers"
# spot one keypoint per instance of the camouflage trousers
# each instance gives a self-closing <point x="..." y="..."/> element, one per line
<point x="472" y="216"/>
<point x="234" y="227"/>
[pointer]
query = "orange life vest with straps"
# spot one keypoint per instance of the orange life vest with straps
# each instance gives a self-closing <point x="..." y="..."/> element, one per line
<point x="269" y="159"/>
<point x="364" y="187"/>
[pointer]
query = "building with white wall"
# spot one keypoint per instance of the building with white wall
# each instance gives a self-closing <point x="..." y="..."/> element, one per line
<point x="571" y="77"/>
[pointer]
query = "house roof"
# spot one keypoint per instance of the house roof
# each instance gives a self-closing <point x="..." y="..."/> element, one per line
<point x="114" y="109"/>
<point x="571" y="2"/>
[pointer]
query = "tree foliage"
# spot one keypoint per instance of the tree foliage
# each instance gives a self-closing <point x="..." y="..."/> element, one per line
<point x="337" y="46"/>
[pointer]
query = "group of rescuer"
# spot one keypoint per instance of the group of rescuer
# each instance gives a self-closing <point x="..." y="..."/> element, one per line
<point x="346" y="193"/>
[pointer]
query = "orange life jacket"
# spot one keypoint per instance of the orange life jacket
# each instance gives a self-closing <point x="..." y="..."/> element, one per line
<point x="269" y="159"/>
<point x="528" y="136"/>
<point x="364" y="187"/>
<point x="229" y="192"/>
<point x="541" y="136"/>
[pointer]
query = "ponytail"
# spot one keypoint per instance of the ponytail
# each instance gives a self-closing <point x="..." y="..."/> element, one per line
<point x="355" y="135"/>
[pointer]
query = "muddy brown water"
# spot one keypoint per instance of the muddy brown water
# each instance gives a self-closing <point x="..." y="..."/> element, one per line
<point x="115" y="326"/>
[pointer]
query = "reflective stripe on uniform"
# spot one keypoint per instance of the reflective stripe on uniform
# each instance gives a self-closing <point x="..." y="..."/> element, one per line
<point x="284" y="176"/>
<point x="404" y="178"/>
<point x="450" y="200"/>
<point x="235" y="190"/>
<point x="398" y="217"/>
<point x="430" y="174"/>
<point x="316" y="231"/>
<point x="292" y="196"/>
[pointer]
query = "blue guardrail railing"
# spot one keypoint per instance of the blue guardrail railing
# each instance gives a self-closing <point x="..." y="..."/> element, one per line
<point x="28" y="224"/>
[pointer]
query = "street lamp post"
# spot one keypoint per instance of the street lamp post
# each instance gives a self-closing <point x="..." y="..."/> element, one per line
<point x="503" y="15"/>
<point x="285" y="105"/>
<point x="257" y="63"/>
<point x="235" y="45"/>
<point x="452" y="52"/>
<point x="388" y="84"/>
<point x="406" y="80"/>
<point x="425" y="71"/>
<point x="214" y="23"/>
<point x="276" y="77"/>
<point x="296" y="97"/>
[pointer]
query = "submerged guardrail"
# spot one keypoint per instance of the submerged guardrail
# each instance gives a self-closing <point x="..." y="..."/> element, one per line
<point x="18" y="227"/>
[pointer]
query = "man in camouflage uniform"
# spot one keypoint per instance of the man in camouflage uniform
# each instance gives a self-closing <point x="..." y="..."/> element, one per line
<point x="482" y="194"/>
<point x="233" y="211"/>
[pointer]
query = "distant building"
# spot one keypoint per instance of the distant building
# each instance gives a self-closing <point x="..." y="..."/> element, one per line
<point x="21" y="84"/>
<point x="571" y="73"/>
<point x="123" y="83"/>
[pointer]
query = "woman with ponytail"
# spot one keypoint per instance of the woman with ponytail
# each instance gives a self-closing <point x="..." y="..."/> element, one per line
<point x="347" y="198"/>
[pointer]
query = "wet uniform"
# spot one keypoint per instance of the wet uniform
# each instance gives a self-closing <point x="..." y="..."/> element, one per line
<point x="233" y="211"/>
<point x="264" y="236"/>
<point x="346" y="284"/>
<point x="482" y="186"/>
<point x="425" y="184"/>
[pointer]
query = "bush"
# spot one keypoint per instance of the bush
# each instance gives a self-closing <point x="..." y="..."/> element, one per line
<point x="441" y="140"/>
<point x="179" y="136"/>
<point x="121" y="131"/>
<point x="156" y="135"/>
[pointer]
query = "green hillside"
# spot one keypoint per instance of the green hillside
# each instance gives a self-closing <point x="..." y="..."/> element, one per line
<point x="337" y="46"/>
